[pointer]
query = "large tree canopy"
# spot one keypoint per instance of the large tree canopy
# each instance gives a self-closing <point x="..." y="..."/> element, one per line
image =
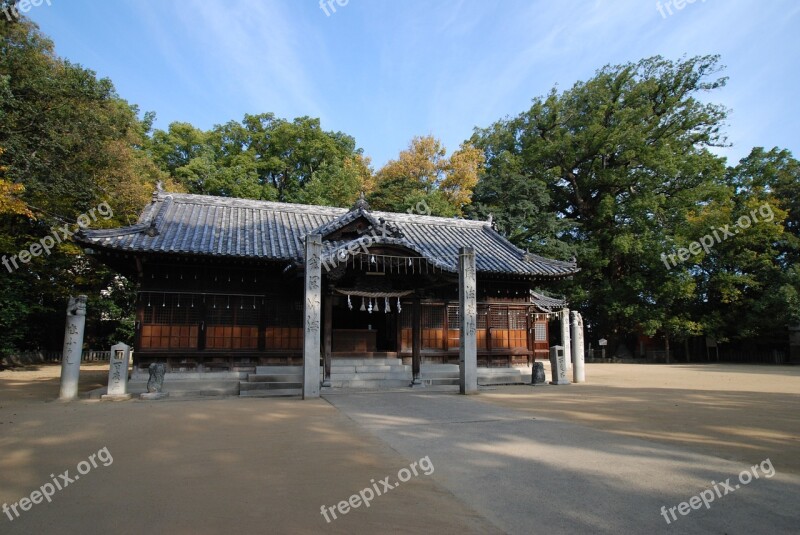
<point x="617" y="171"/>
<point x="424" y="173"/>
<point x="264" y="157"/>
<point x="67" y="143"/>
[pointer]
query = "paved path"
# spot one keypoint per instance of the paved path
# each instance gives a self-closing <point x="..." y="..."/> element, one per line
<point x="528" y="474"/>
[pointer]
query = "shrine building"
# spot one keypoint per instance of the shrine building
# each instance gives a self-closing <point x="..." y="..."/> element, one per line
<point x="222" y="288"/>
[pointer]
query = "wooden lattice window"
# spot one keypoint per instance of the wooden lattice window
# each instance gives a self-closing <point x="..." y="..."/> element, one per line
<point x="232" y="322"/>
<point x="517" y="328"/>
<point x="432" y="323"/>
<point x="540" y="331"/>
<point x="284" y="323"/>
<point x="170" y="321"/>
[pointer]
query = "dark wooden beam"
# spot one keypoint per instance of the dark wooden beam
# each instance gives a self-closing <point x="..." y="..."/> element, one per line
<point x="416" y="340"/>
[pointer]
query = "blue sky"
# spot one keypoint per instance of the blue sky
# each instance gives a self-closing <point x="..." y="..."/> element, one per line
<point x="384" y="71"/>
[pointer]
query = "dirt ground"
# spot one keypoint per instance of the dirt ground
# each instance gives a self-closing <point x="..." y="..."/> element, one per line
<point x="212" y="465"/>
<point x="737" y="412"/>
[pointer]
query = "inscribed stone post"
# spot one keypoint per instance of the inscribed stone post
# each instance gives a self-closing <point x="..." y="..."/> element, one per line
<point x="312" y="317"/>
<point x="558" y="366"/>
<point x="578" y="368"/>
<point x="468" y="312"/>
<point x="73" y="347"/>
<point x="565" y="338"/>
<point x="118" y="372"/>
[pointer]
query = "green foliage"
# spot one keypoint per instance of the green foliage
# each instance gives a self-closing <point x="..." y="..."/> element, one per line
<point x="424" y="173"/>
<point x="68" y="143"/>
<point x="263" y="157"/>
<point x="616" y="171"/>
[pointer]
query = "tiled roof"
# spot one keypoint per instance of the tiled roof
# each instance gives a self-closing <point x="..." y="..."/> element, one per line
<point x="547" y="303"/>
<point x="184" y="224"/>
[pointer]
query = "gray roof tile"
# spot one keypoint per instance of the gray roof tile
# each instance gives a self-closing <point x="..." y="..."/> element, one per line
<point x="186" y="224"/>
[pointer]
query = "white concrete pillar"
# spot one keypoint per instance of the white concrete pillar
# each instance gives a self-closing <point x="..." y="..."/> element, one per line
<point x="565" y="338"/>
<point x="312" y="317"/>
<point x="73" y="348"/>
<point x="578" y="368"/>
<point x="558" y="366"/>
<point x="118" y="373"/>
<point x="468" y="313"/>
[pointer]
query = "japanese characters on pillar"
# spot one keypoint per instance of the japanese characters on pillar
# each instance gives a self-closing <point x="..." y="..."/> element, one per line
<point x="312" y="317"/>
<point x="468" y="312"/>
<point x="118" y="371"/>
<point x="73" y="347"/>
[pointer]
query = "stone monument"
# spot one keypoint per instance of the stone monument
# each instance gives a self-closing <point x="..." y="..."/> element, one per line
<point x="578" y="367"/>
<point x="537" y="375"/>
<point x="312" y="315"/>
<point x="73" y="348"/>
<point x="156" y="382"/>
<point x="468" y="311"/>
<point x="118" y="373"/>
<point x="558" y="366"/>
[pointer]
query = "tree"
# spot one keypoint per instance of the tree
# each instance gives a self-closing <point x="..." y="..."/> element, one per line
<point x="263" y="157"/>
<point x="606" y="171"/>
<point x="69" y="144"/>
<point x="423" y="172"/>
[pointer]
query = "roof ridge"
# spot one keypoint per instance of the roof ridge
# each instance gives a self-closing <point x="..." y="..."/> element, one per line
<point x="194" y="198"/>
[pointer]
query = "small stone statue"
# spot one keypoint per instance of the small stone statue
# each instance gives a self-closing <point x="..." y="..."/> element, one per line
<point x="156" y="381"/>
<point x="538" y="374"/>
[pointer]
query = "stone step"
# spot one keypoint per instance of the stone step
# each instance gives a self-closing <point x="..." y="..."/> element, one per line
<point x="271" y="393"/>
<point x="370" y="376"/>
<point x="248" y="387"/>
<point x="279" y="370"/>
<point x="366" y="362"/>
<point x="371" y="384"/>
<point x="254" y="378"/>
<point x="440" y="381"/>
<point x="376" y="368"/>
<point x="440" y="367"/>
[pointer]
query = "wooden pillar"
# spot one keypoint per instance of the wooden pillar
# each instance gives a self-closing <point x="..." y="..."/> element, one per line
<point x="416" y="341"/>
<point x="327" y="341"/>
<point x="468" y="312"/>
<point x="311" y="317"/>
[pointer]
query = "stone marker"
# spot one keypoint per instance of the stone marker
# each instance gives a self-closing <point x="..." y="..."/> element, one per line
<point x="468" y="310"/>
<point x="73" y="348"/>
<point x="156" y="382"/>
<point x="565" y="339"/>
<point x="578" y="368"/>
<point x="118" y="373"/>
<point x="558" y="366"/>
<point x="538" y="377"/>
<point x="312" y="317"/>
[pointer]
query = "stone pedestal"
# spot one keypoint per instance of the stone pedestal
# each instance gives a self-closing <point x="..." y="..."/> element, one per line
<point x="565" y="338"/>
<point x="153" y="396"/>
<point x="73" y="348"/>
<point x="537" y="374"/>
<point x="578" y="368"/>
<point x="118" y="373"/>
<point x="468" y="313"/>
<point x="312" y="317"/>
<point x="558" y="366"/>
